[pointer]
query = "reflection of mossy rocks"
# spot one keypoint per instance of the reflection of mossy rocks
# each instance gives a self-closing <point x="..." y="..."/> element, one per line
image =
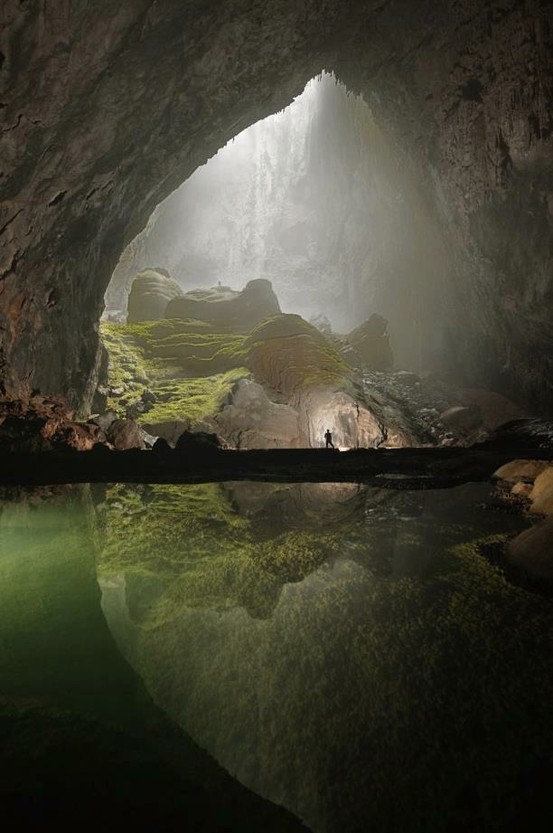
<point x="151" y="291"/>
<point x="371" y="343"/>
<point x="195" y="549"/>
<point x="288" y="354"/>
<point x="226" y="308"/>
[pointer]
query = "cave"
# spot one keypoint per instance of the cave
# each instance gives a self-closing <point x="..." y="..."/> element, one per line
<point x="84" y="166"/>
<point x="206" y="610"/>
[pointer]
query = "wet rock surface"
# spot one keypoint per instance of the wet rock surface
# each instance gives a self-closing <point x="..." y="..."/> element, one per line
<point x="530" y="485"/>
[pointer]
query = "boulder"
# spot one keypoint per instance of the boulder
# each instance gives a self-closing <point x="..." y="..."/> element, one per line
<point x="198" y="441"/>
<point x="371" y="342"/>
<point x="161" y="446"/>
<point x="104" y="420"/>
<point x="226" y="308"/>
<point x="531" y="552"/>
<point x="169" y="430"/>
<point x="289" y="355"/>
<point x="521" y="489"/>
<point x="495" y="409"/>
<point x="461" y="418"/>
<point x="251" y="420"/>
<point x="520" y="470"/>
<point x="125" y="434"/>
<point x="542" y="493"/>
<point x="151" y="291"/>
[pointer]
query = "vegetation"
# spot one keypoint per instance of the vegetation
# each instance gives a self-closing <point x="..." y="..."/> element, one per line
<point x="289" y="354"/>
<point x="180" y="368"/>
<point x="200" y="551"/>
<point x="184" y="368"/>
<point x="420" y="684"/>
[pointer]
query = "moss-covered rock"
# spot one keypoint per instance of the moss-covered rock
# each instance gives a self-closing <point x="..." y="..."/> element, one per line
<point x="225" y="307"/>
<point x="290" y="355"/>
<point x="150" y="293"/>
<point x="153" y="375"/>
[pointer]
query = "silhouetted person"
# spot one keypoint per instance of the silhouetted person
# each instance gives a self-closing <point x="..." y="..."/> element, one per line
<point x="328" y="439"/>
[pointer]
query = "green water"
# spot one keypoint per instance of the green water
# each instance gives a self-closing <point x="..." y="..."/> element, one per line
<point x="345" y="652"/>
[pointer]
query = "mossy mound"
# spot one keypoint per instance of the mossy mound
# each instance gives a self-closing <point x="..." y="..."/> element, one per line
<point x="170" y="370"/>
<point x="221" y="306"/>
<point x="184" y="369"/>
<point x="150" y="293"/>
<point x="290" y="355"/>
<point x="191" y="400"/>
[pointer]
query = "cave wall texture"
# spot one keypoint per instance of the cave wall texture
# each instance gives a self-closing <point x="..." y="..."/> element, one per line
<point x="107" y="108"/>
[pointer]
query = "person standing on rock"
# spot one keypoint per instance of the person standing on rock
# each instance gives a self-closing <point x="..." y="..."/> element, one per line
<point x="328" y="439"/>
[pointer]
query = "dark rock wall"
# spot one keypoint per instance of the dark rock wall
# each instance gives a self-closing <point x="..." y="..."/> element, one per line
<point x="106" y="109"/>
<point x="465" y="92"/>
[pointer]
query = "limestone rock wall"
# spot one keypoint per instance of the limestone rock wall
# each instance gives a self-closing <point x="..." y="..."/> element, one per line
<point x="107" y="109"/>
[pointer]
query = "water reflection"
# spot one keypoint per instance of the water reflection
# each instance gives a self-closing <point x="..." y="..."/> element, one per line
<point x="343" y="651"/>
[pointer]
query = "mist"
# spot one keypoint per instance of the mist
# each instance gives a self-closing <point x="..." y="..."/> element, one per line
<point x="316" y="200"/>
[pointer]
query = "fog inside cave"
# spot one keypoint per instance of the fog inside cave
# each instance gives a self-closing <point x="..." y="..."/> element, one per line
<point x="311" y="199"/>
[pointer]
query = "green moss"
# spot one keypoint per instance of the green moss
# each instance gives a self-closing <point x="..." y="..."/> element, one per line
<point x="200" y="551"/>
<point x="289" y="360"/>
<point x="191" y="399"/>
<point x="190" y="366"/>
<point x="188" y="369"/>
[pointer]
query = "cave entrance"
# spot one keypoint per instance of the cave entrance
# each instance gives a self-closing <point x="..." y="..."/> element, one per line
<point x="314" y="199"/>
<point x="308" y="213"/>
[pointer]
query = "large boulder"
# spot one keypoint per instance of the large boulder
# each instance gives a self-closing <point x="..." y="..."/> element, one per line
<point x="520" y="471"/>
<point x="151" y="291"/>
<point x="531" y="552"/>
<point x="125" y="434"/>
<point x="227" y="308"/>
<point x="251" y="420"/>
<point x="494" y="408"/>
<point x="371" y="343"/>
<point x="542" y="493"/>
<point x="289" y="355"/>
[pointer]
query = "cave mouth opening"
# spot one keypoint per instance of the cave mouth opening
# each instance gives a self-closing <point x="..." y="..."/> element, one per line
<point x="288" y="200"/>
<point x="311" y="214"/>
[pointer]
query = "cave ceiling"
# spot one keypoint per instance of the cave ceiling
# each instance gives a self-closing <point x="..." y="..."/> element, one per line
<point x="106" y="108"/>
